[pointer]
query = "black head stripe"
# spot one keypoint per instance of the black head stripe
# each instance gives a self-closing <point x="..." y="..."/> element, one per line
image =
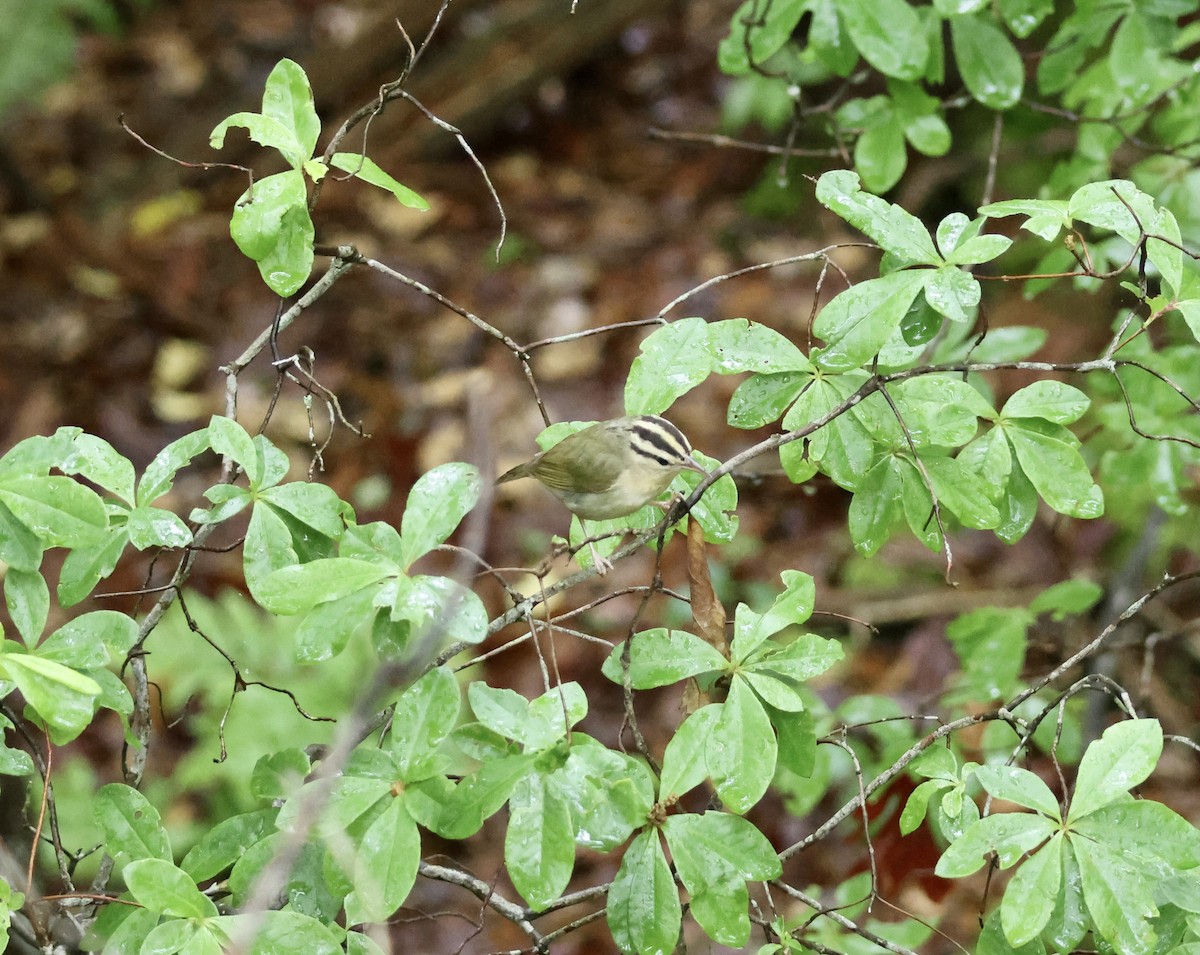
<point x="657" y="438"/>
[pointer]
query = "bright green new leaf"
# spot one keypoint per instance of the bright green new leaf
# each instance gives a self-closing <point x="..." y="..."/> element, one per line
<point x="1144" y="830"/>
<point x="20" y="547"/>
<point x="160" y="473"/>
<point x="674" y="359"/>
<point x="436" y="505"/>
<point x="660" y="657"/>
<point x="230" y="440"/>
<point x="1116" y="205"/>
<point x="441" y="608"/>
<point x="288" y="98"/>
<point x="313" y="505"/>
<point x="1122" y="758"/>
<point x="1067" y="598"/>
<point x="1046" y="218"/>
<point x="721" y="839"/>
<point x="91" y="640"/>
<point x="131" y="826"/>
<point x="880" y="155"/>
<point x="366" y="169"/>
<point x="990" y="65"/>
<point x="264" y="130"/>
<point x="643" y="908"/>
<point x="480" y="795"/>
<point x="757" y="33"/>
<point x="163" y="887"/>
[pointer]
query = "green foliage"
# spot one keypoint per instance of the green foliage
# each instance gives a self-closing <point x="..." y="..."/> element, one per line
<point x="271" y="221"/>
<point x="895" y="405"/>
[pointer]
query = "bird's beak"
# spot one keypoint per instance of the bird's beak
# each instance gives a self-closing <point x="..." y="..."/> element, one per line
<point x="695" y="466"/>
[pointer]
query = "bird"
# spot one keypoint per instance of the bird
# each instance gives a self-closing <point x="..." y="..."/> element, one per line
<point x="611" y="469"/>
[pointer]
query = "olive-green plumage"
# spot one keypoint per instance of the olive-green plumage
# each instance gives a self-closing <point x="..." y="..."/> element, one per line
<point x="612" y="468"/>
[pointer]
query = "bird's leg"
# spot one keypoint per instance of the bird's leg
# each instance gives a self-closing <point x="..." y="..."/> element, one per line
<point x="602" y="564"/>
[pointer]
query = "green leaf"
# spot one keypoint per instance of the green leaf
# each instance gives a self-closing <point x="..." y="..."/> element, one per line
<point x="674" y="359"/>
<point x="131" y="826"/>
<point x="1122" y="758"/>
<point x="804" y="658"/>
<point x="1117" y="205"/>
<point x="99" y="462"/>
<point x="990" y="643"/>
<point x="880" y="154"/>
<point x="385" y="866"/>
<point x="1046" y="217"/>
<point x="499" y="708"/>
<point x="264" y="130"/>
<point x="1067" y="598"/>
<point x="889" y="35"/>
<point x="1029" y="898"/>
<point x="643" y="907"/>
<point x="720" y="839"/>
<point x="301" y="587"/>
<point x="1050" y="400"/>
<point x="742" y="749"/>
<point x="660" y="657"/>
<point x="876" y="507"/>
<point x="58" y="510"/>
<point x="155" y="527"/>
<point x="19" y="546"/>
<point x="1010" y="835"/>
<point x="737" y="346"/>
<point x="285" y="933"/>
<point x="1118" y="898"/>
<point x="859" y="320"/>
<point x="438" y="502"/>
<point x="539" y="848"/>
<point x="279" y="775"/>
<point x="163" y="887"/>
<point x="1143" y="830"/>
<point x="1049" y="456"/>
<point x="160" y="473"/>
<point x="757" y="33"/>
<point x="91" y="640"/>
<point x="288" y="98"/>
<point x="368" y="170"/>
<point x="896" y="230"/>
<point x="552" y="715"/>
<point x="440" y="607"/>
<point x="481" y="794"/>
<point x="223" y="844"/>
<point x="940" y="410"/>
<point x="990" y="65"/>
<point x="793" y="606"/>
<point x="230" y="440"/>
<point x="761" y="399"/>
<point x="313" y="505"/>
<point x="685" y="762"/>
<point x="423" y="716"/>
<point x="1020" y="786"/>
<point x="64" y="698"/>
<point x="952" y="292"/>
<point x="271" y="225"/>
<point x="28" y="600"/>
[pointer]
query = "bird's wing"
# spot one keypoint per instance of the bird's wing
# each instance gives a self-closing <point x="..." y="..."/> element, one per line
<point x="550" y="467"/>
